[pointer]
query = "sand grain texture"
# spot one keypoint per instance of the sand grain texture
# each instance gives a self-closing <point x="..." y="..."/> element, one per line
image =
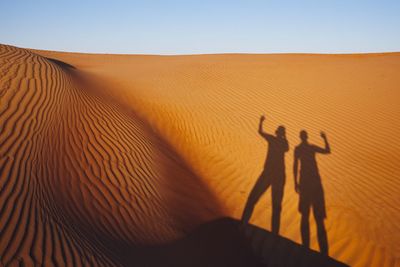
<point x="103" y="153"/>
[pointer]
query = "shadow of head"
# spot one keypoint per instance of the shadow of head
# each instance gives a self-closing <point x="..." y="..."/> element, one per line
<point x="280" y="131"/>
<point x="303" y="136"/>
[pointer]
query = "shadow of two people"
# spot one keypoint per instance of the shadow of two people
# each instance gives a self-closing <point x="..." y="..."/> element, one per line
<point x="309" y="186"/>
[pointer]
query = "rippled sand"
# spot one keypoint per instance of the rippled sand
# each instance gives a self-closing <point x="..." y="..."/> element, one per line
<point x="103" y="152"/>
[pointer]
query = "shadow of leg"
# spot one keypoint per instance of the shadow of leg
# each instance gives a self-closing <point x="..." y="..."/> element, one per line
<point x="258" y="190"/>
<point x="277" y="196"/>
<point x="276" y="218"/>
<point x="305" y="229"/>
<point x="322" y="236"/>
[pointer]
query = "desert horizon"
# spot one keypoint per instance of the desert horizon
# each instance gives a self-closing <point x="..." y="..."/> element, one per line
<point x="112" y="159"/>
<point x="200" y="53"/>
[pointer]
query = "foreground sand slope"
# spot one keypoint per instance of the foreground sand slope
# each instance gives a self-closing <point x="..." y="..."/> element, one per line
<point x="139" y="149"/>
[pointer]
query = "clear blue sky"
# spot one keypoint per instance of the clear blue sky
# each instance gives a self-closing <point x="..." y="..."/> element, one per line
<point x="203" y="26"/>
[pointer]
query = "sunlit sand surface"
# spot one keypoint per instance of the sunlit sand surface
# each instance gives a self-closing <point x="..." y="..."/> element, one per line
<point x="102" y="152"/>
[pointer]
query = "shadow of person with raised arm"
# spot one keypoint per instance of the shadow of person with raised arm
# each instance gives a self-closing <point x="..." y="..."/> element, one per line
<point x="273" y="175"/>
<point x="310" y="189"/>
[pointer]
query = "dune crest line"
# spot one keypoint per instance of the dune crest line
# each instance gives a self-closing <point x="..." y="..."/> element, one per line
<point x="81" y="180"/>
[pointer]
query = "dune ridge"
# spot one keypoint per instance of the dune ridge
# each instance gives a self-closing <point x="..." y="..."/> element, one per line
<point x="153" y="146"/>
<point x="81" y="178"/>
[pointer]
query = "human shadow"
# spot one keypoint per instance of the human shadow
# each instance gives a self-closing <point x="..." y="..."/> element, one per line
<point x="310" y="190"/>
<point x="272" y="176"/>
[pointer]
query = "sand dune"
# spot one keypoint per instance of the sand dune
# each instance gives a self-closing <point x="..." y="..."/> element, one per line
<point x="81" y="176"/>
<point x="103" y="153"/>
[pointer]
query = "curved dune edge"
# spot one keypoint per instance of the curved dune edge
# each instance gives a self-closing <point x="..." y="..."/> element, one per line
<point x="82" y="179"/>
<point x="197" y="114"/>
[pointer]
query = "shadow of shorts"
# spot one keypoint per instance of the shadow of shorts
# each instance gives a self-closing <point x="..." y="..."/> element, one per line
<point x="312" y="197"/>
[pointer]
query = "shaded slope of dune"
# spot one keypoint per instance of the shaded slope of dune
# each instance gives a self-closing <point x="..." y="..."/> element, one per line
<point x="223" y="243"/>
<point x="81" y="177"/>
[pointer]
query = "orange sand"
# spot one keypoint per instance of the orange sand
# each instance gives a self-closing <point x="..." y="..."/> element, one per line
<point x="99" y="151"/>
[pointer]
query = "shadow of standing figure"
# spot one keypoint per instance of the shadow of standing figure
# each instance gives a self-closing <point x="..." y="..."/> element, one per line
<point x="273" y="175"/>
<point x="310" y="189"/>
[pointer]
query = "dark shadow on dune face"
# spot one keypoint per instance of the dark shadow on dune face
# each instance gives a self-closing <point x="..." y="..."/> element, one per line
<point x="224" y="243"/>
<point x="60" y="63"/>
<point x="272" y="176"/>
<point x="310" y="190"/>
<point x="186" y="199"/>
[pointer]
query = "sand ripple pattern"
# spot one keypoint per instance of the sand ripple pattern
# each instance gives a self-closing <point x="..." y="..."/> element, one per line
<point x="83" y="181"/>
<point x="208" y="106"/>
<point x="102" y="153"/>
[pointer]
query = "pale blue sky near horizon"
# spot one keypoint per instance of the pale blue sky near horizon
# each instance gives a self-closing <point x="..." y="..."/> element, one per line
<point x="202" y="27"/>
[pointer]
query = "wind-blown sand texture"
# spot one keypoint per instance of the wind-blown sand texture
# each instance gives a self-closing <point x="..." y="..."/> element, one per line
<point x="100" y="153"/>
